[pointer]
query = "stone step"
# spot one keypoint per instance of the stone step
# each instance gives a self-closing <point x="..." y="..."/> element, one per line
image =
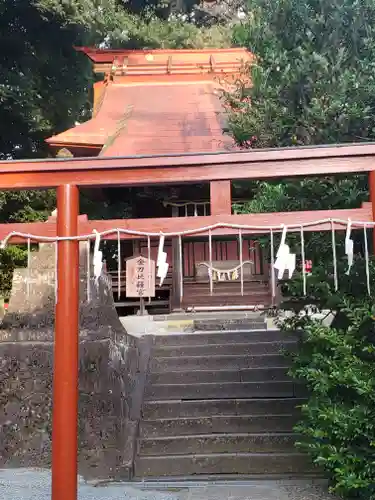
<point x="223" y="316"/>
<point x="222" y="292"/>
<point x="217" y="425"/>
<point x="227" y="299"/>
<point x="205" y="337"/>
<point x="225" y="407"/>
<point x="208" y="376"/>
<point x="212" y="443"/>
<point x="291" y="464"/>
<point x="235" y="361"/>
<point x="248" y="348"/>
<point x="222" y="390"/>
<point x="217" y="326"/>
<point x="231" y="285"/>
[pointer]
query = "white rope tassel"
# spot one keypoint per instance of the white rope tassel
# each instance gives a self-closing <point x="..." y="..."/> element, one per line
<point x="284" y="259"/>
<point x="349" y="246"/>
<point x="28" y="268"/>
<point x="180" y="267"/>
<point x="367" y="260"/>
<point x="149" y="264"/>
<point x="273" y="277"/>
<point x="118" y="265"/>
<point x="56" y="258"/>
<point x="88" y="271"/>
<point x="210" y="259"/>
<point x="97" y="258"/>
<point x="334" y="255"/>
<point x="303" y="261"/>
<point x="162" y="263"/>
<point x="241" y="259"/>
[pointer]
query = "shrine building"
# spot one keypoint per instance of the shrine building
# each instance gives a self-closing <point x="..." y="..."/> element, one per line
<point x="154" y="108"/>
<point x="163" y="102"/>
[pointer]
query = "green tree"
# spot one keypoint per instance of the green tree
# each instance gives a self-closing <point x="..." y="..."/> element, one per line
<point x="43" y="90"/>
<point x="44" y="83"/>
<point x="336" y="363"/>
<point x="312" y="83"/>
<point x="313" y="80"/>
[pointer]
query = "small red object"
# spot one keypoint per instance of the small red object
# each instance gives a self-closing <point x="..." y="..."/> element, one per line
<point x="308" y="266"/>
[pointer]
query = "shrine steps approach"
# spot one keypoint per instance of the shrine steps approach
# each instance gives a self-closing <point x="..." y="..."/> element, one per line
<point x="220" y="403"/>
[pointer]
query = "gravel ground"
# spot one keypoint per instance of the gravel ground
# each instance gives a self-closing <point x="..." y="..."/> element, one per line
<point x="24" y="484"/>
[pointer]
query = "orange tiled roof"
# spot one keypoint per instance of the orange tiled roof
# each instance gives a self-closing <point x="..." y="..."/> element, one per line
<point x="156" y="102"/>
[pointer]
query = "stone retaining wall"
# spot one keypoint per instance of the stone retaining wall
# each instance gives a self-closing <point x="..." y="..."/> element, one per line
<point x="112" y="371"/>
<point x="110" y="396"/>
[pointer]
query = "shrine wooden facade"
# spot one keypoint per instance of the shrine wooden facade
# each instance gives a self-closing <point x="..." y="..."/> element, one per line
<point x="164" y="102"/>
<point x="196" y="270"/>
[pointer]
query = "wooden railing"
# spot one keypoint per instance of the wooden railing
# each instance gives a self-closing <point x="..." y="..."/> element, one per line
<point x="115" y="282"/>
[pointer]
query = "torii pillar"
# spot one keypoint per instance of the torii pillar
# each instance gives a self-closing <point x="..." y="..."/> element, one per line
<point x="65" y="375"/>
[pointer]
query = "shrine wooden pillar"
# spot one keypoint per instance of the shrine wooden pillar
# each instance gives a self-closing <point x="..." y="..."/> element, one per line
<point x="176" y="298"/>
<point x="371" y="182"/>
<point x="220" y="198"/>
<point x="65" y="374"/>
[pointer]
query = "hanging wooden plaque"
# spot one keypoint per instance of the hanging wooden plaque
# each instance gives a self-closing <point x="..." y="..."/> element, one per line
<point x="140" y="277"/>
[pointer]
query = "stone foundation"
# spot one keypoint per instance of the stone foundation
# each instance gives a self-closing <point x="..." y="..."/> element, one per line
<point x="112" y="370"/>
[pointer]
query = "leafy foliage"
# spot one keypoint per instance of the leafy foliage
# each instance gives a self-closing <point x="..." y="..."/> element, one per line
<point x="308" y="194"/>
<point x="138" y="24"/>
<point x="313" y="81"/>
<point x="24" y="206"/>
<point x="310" y="86"/>
<point x="337" y="428"/>
<point x="40" y="71"/>
<point x="336" y="363"/>
<point x="10" y="258"/>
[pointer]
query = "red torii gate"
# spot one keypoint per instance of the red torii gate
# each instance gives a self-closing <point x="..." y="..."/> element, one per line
<point x="68" y="175"/>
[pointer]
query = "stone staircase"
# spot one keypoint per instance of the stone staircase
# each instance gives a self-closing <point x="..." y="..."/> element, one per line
<point x="220" y="403"/>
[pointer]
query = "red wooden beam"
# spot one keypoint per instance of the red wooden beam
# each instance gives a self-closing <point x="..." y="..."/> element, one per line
<point x="176" y="224"/>
<point x="126" y="171"/>
<point x="65" y="372"/>
<point x="220" y="198"/>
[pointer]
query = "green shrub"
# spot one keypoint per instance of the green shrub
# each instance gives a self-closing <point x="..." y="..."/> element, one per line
<point x="337" y="428"/>
<point x="11" y="257"/>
